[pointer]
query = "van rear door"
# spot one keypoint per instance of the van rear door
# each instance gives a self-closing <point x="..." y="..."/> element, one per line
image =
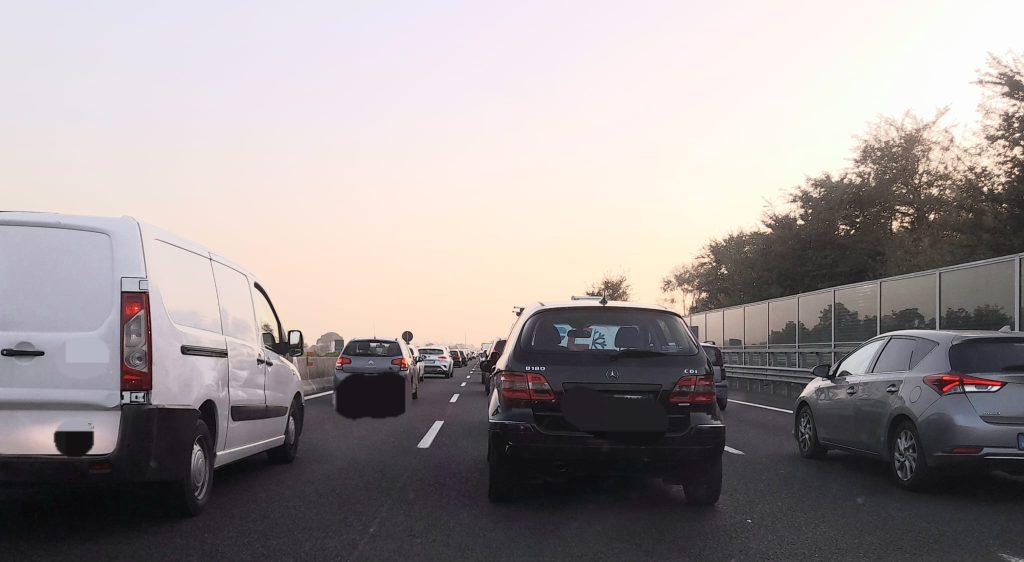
<point x="59" y="336"/>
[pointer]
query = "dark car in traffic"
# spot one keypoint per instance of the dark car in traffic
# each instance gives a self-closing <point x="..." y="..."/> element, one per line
<point x="626" y="387"/>
<point x="717" y="359"/>
<point x="458" y="358"/>
<point x="487" y="365"/>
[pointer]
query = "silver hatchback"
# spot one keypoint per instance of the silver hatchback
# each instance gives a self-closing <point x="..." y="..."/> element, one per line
<point x="375" y="377"/>
<point x="923" y="401"/>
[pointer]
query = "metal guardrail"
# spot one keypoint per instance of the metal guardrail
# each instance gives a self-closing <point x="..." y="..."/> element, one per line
<point x="770" y="374"/>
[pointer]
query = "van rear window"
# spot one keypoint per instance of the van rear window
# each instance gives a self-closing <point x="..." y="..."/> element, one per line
<point x="55" y="280"/>
<point x="988" y="355"/>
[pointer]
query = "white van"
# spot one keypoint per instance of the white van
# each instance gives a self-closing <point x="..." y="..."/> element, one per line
<point x="130" y="354"/>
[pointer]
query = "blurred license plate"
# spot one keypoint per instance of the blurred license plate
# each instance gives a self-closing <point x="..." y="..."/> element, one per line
<point x="597" y="412"/>
<point x="1020" y="441"/>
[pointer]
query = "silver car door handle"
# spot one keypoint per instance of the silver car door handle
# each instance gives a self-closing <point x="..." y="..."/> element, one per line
<point x="260" y="361"/>
<point x="892" y="389"/>
<point x="851" y="390"/>
<point x="268" y="362"/>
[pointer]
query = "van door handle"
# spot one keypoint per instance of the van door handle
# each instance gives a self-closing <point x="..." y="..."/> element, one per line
<point x="268" y="362"/>
<point x="892" y="389"/>
<point x="851" y="390"/>
<point x="260" y="361"/>
<point x="8" y="352"/>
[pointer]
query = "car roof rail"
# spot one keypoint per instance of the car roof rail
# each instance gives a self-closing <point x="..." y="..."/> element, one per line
<point x="600" y="299"/>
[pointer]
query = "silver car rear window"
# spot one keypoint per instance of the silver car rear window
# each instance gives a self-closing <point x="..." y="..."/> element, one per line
<point x="995" y="355"/>
<point x="372" y="348"/>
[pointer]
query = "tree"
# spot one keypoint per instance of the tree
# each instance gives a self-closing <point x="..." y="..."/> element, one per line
<point x="611" y="287"/>
<point x="1003" y="129"/>
<point x="329" y="343"/>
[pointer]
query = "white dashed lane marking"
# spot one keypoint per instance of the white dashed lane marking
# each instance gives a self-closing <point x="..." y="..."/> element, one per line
<point x="318" y="395"/>
<point x="455" y="397"/>
<point x="431" y="434"/>
<point x="729" y="449"/>
<point x="463" y="384"/>
<point x="772" y="408"/>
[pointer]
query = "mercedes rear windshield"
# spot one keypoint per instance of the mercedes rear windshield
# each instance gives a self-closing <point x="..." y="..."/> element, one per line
<point x="608" y="331"/>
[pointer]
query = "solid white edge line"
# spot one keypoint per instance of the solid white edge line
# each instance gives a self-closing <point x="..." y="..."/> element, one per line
<point x="454" y="398"/>
<point x="729" y="449"/>
<point x="463" y="384"/>
<point x="431" y="434"/>
<point x="772" y="408"/>
<point x="318" y="395"/>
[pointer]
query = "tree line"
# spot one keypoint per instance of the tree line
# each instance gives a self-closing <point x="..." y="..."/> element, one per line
<point x="914" y="197"/>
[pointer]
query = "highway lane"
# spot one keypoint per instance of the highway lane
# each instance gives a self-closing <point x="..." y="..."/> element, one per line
<point x="370" y="490"/>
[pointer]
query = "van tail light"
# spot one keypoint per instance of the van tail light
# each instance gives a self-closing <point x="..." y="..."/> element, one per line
<point x="526" y="387"/>
<point x="136" y="360"/>
<point x="693" y="389"/>
<point x="953" y="383"/>
<point x="402" y="362"/>
<point x="341" y="362"/>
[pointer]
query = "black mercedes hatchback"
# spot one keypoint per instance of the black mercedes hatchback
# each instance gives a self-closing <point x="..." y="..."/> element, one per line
<point x="596" y="385"/>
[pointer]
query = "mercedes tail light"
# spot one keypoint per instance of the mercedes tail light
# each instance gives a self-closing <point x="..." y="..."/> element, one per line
<point x="136" y="360"/>
<point x="693" y="389"/>
<point x="526" y="386"/>
<point x="953" y="383"/>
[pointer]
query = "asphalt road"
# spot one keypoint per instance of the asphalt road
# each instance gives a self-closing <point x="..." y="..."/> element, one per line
<point x="366" y="490"/>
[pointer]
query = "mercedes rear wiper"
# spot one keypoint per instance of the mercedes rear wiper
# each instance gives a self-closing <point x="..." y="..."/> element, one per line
<point x="632" y="352"/>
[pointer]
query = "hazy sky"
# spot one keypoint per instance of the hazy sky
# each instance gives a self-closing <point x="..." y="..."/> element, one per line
<point x="429" y="165"/>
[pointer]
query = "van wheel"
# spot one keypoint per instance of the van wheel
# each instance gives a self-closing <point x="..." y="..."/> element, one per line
<point x="191" y="493"/>
<point x="702" y="482"/>
<point x="288" y="450"/>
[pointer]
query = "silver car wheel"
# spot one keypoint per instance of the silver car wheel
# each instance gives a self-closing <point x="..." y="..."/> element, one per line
<point x="904" y="455"/>
<point x="805" y="433"/>
<point x="200" y="470"/>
